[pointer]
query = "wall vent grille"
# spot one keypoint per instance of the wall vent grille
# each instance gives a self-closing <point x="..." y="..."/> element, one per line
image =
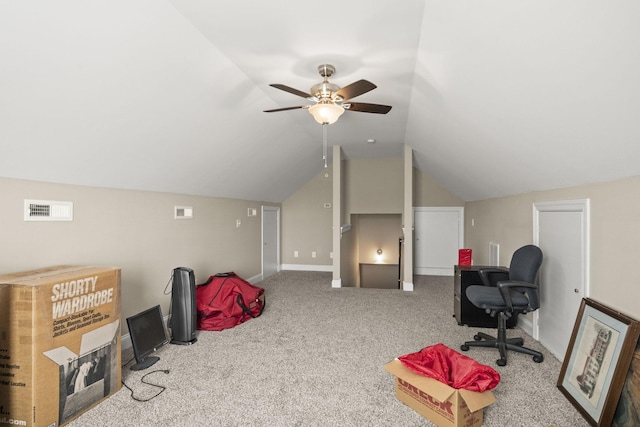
<point x="183" y="212"/>
<point x="47" y="210"/>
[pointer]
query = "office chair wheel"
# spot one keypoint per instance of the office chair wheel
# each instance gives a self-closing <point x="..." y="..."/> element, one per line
<point x="464" y="347"/>
<point x="538" y="359"/>
<point x="477" y="337"/>
<point x="501" y="362"/>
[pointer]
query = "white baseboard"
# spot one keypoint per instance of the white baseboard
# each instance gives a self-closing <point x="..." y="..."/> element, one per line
<point x="255" y="279"/>
<point x="407" y="286"/>
<point x="526" y="324"/>
<point x="433" y="271"/>
<point x="307" y="267"/>
<point x="125" y="341"/>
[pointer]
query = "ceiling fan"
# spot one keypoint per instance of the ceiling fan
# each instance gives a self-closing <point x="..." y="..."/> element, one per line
<point x="331" y="100"/>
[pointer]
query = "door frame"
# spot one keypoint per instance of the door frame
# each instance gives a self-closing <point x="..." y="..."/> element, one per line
<point x="275" y="209"/>
<point x="582" y="206"/>
<point x="460" y="211"/>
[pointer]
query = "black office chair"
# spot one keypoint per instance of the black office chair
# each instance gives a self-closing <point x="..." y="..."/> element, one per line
<point x="507" y="293"/>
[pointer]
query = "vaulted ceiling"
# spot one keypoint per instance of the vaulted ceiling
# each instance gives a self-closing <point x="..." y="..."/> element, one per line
<point x="496" y="97"/>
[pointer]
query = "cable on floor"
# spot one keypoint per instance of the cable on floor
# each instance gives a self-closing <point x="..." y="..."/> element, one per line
<point x="142" y="380"/>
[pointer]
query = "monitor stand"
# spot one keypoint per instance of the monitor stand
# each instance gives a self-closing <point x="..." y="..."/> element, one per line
<point x="145" y="363"/>
<point x="178" y="342"/>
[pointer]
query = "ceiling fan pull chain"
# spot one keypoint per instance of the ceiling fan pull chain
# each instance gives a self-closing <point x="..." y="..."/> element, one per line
<point x="324" y="144"/>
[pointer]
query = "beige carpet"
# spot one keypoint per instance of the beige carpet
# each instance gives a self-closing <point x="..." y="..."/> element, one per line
<point x="315" y="358"/>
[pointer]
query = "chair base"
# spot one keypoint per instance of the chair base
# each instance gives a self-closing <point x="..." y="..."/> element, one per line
<point x="502" y="343"/>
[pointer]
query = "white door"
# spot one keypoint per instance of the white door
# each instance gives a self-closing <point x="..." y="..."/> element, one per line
<point x="270" y="240"/>
<point x="561" y="232"/>
<point x="438" y="236"/>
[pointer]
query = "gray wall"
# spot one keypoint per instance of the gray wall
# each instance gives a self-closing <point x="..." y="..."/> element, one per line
<point x="374" y="186"/>
<point x="615" y="234"/>
<point x="133" y="230"/>
<point x="307" y="224"/>
<point x="428" y="193"/>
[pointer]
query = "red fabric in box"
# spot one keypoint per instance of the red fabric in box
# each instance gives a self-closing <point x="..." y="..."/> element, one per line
<point x="452" y="368"/>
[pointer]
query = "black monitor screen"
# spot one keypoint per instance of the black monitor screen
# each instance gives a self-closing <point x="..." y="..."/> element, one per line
<point x="147" y="333"/>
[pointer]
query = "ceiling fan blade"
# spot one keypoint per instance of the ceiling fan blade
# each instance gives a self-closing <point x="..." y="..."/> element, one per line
<point x="291" y="90"/>
<point x="364" y="107"/>
<point x="356" y="89"/>
<point x="285" y="109"/>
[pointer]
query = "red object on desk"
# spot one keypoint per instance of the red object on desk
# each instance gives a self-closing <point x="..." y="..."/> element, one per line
<point x="464" y="257"/>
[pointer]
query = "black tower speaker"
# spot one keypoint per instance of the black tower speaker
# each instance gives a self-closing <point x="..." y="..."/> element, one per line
<point x="183" y="307"/>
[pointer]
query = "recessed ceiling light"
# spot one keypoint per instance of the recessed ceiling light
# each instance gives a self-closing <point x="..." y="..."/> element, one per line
<point x="371" y="141"/>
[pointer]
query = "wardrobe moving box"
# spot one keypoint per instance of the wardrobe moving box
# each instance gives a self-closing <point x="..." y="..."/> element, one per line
<point x="438" y="402"/>
<point x="59" y="343"/>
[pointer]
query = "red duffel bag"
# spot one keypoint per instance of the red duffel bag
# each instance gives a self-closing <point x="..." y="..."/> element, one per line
<point x="226" y="300"/>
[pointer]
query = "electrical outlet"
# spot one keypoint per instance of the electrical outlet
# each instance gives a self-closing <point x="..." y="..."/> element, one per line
<point x="313" y="254"/>
<point x="295" y="254"/>
<point x="238" y="223"/>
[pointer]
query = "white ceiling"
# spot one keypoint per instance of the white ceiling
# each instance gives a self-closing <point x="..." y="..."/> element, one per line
<point x="496" y="97"/>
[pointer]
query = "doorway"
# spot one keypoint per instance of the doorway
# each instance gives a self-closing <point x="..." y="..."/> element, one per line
<point x="561" y="230"/>
<point x="439" y="233"/>
<point x="270" y="240"/>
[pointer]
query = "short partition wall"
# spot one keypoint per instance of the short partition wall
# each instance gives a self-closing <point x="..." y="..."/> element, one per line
<point x="375" y="275"/>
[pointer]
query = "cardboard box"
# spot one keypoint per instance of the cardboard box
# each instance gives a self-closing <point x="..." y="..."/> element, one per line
<point x="438" y="402"/>
<point x="59" y="343"/>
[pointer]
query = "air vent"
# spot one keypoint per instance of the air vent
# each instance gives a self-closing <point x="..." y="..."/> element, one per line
<point x="47" y="210"/>
<point x="183" y="212"/>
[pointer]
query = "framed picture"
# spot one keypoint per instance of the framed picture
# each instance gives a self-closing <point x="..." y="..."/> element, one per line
<point x="628" y="410"/>
<point x="597" y="361"/>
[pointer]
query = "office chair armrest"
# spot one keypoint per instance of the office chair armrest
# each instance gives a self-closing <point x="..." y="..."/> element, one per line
<point x="505" y="286"/>
<point x="516" y="284"/>
<point x="492" y="275"/>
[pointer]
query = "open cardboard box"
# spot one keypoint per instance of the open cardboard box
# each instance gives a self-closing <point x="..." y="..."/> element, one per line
<point x="438" y="402"/>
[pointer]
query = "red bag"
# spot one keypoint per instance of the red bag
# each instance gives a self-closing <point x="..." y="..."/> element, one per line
<point x="450" y="367"/>
<point x="464" y="256"/>
<point x="226" y="300"/>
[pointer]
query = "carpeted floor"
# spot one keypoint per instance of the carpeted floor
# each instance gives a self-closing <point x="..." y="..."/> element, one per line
<point x="315" y="358"/>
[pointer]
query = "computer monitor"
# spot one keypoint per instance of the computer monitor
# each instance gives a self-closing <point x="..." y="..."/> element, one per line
<point x="148" y="333"/>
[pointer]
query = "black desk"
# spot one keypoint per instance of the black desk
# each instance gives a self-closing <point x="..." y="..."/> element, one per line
<point x="464" y="311"/>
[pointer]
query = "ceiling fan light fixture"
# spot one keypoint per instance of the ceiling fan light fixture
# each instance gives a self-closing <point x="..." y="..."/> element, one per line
<point x="326" y="112"/>
<point x="331" y="100"/>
